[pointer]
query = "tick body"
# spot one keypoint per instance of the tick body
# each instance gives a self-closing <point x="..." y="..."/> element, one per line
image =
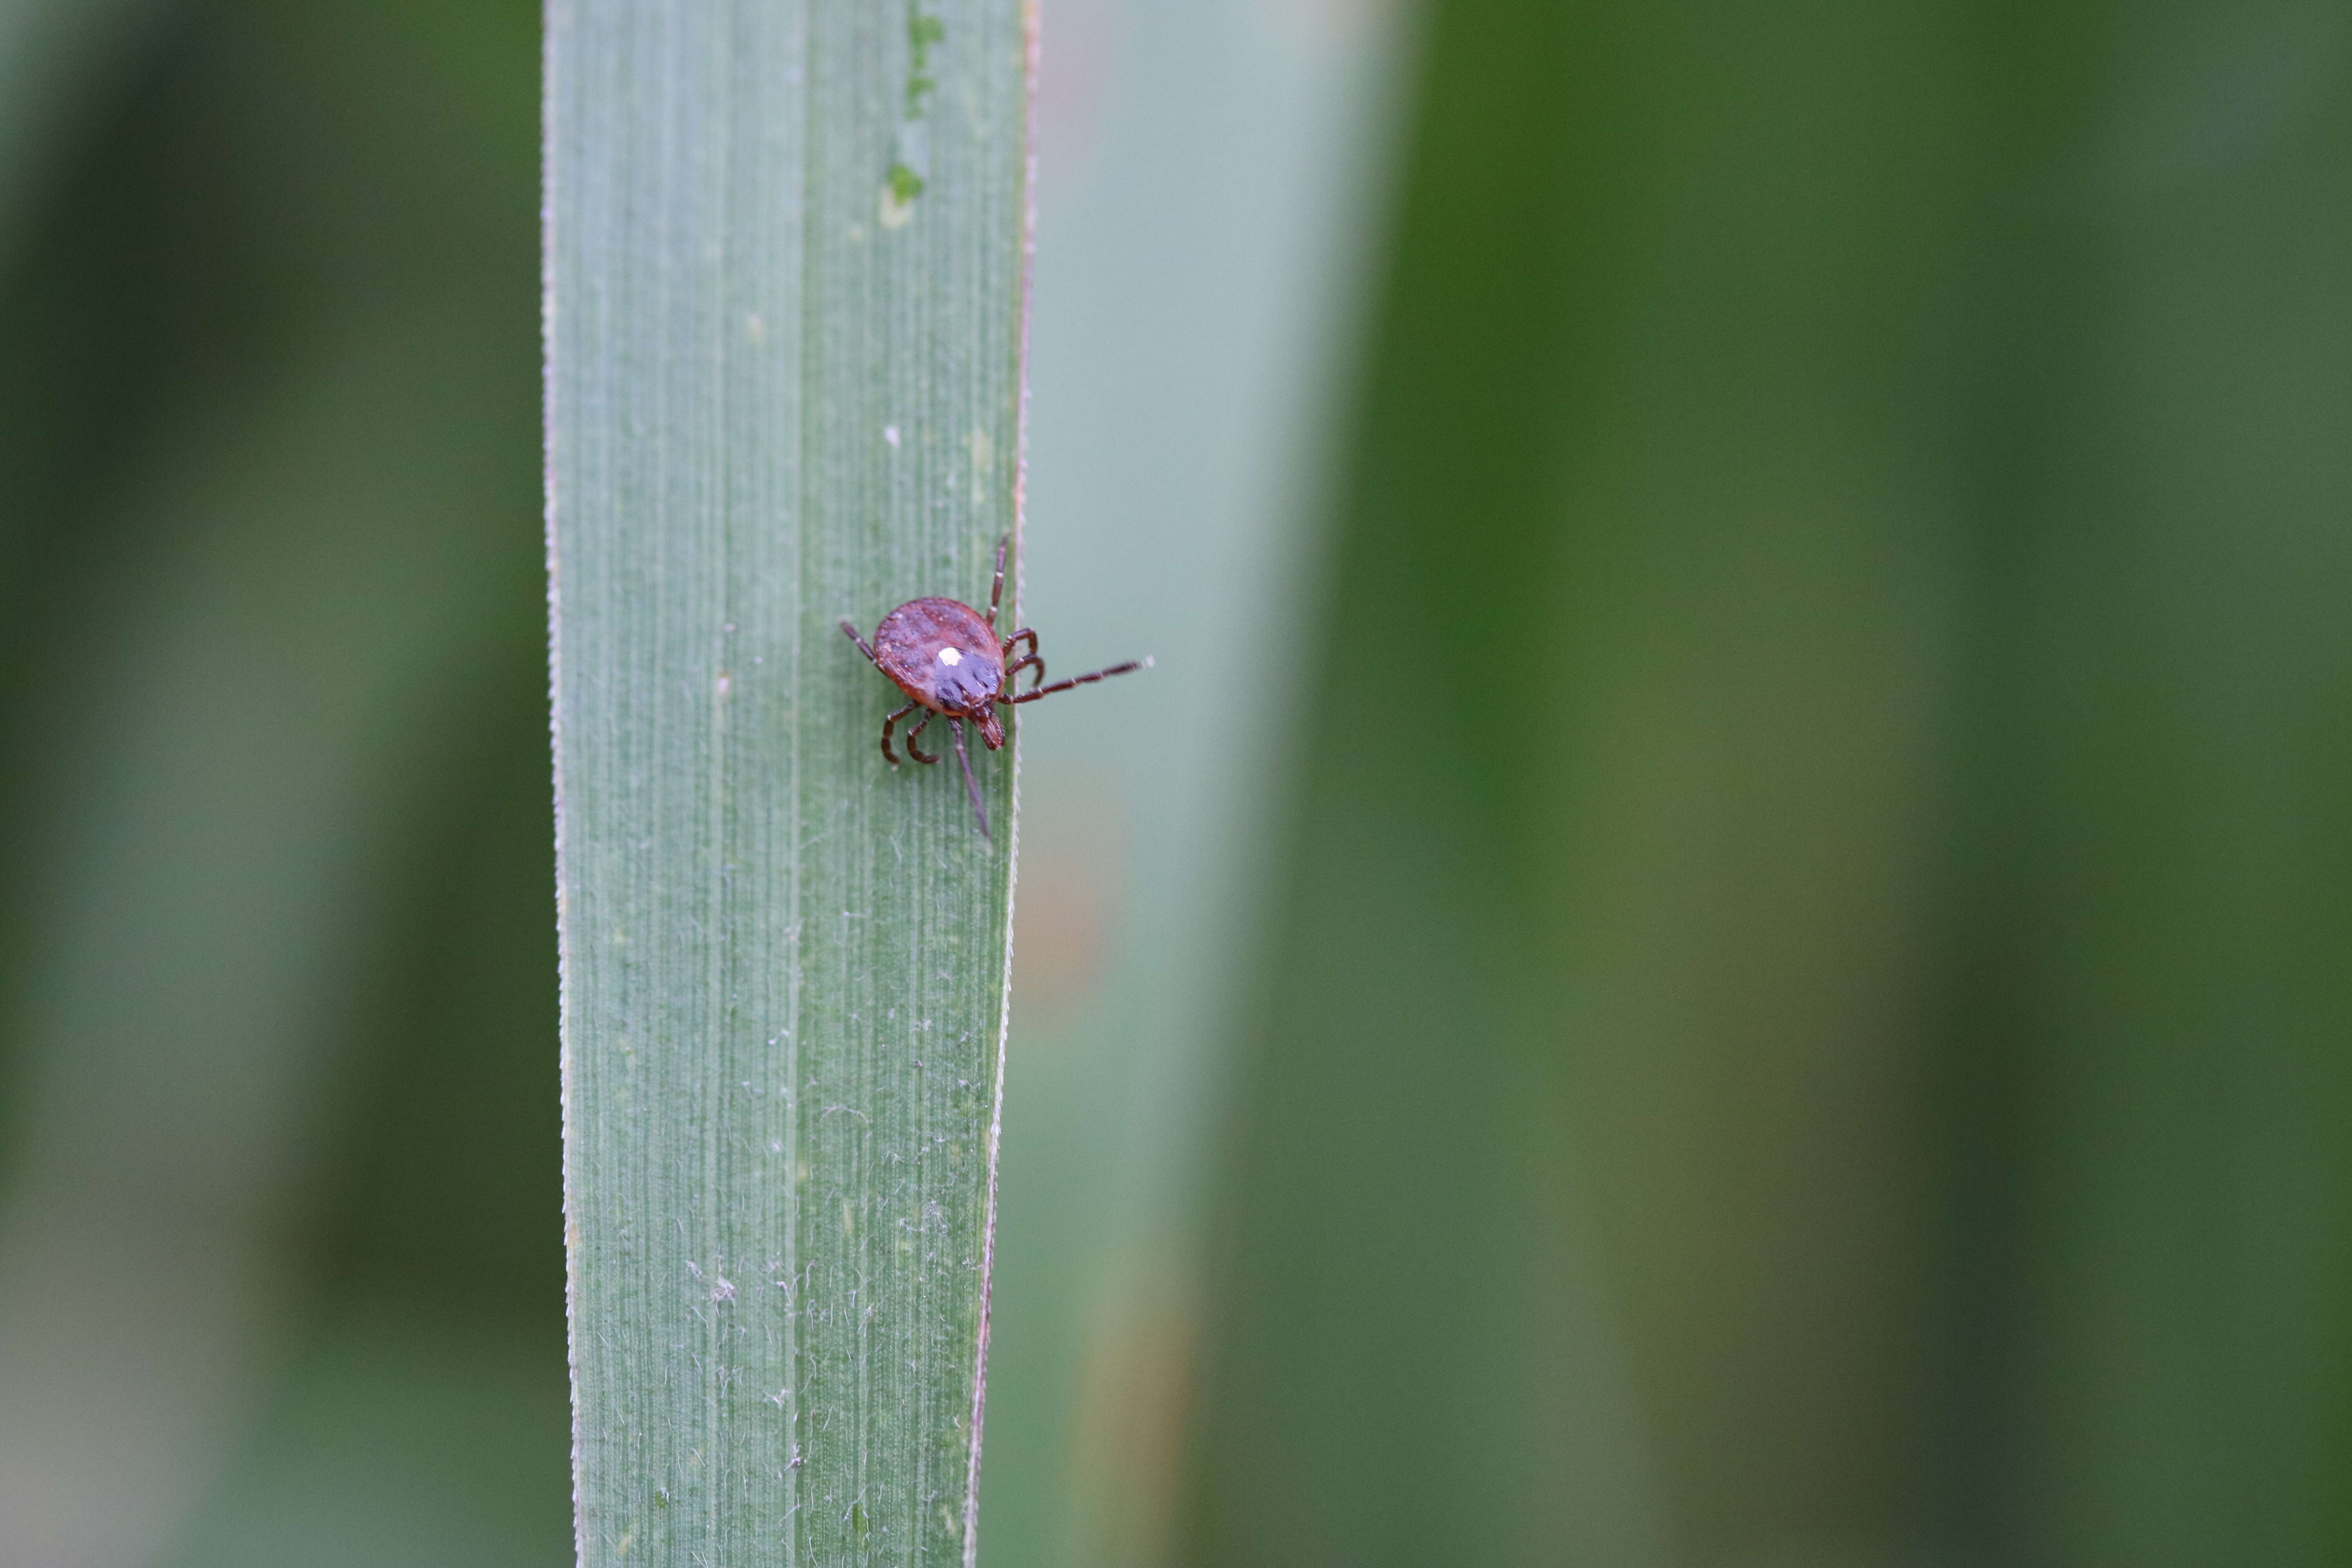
<point x="948" y="659"/>
<point x="946" y="656"/>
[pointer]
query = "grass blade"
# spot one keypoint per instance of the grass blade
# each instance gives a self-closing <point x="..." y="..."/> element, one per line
<point x="785" y="261"/>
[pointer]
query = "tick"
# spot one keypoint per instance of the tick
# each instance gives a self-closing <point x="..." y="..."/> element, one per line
<point x="948" y="660"/>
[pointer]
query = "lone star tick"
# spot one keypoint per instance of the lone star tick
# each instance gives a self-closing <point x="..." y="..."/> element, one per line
<point x="947" y="657"/>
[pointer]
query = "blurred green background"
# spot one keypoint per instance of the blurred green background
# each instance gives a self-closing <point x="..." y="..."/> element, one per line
<point x="1723" y="938"/>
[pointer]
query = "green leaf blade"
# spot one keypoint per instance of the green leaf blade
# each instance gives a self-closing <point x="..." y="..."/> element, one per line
<point x="783" y="389"/>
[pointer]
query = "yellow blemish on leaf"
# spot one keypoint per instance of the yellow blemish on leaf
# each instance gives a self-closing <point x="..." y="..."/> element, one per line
<point x="983" y="464"/>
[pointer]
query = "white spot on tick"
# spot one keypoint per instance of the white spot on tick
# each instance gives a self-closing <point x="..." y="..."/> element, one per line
<point x="950" y="658"/>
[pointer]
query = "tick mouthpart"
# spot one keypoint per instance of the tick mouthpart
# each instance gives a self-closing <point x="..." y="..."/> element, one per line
<point x="991" y="730"/>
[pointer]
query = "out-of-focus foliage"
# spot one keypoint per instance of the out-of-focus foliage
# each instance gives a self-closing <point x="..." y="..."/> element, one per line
<point x="280" y="1258"/>
<point x="1808" y="1020"/>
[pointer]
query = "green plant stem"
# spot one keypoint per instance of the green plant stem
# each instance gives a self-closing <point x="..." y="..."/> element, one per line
<point x="783" y="389"/>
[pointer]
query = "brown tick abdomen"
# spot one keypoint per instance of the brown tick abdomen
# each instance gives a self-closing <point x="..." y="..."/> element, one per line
<point x="941" y="654"/>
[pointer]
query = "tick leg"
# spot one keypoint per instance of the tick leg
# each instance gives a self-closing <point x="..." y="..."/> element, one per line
<point x="1087" y="680"/>
<point x="901" y="713"/>
<point x="1013" y="666"/>
<point x="955" y="727"/>
<point x="996" y="589"/>
<point x="851" y="632"/>
<point x="907" y="740"/>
